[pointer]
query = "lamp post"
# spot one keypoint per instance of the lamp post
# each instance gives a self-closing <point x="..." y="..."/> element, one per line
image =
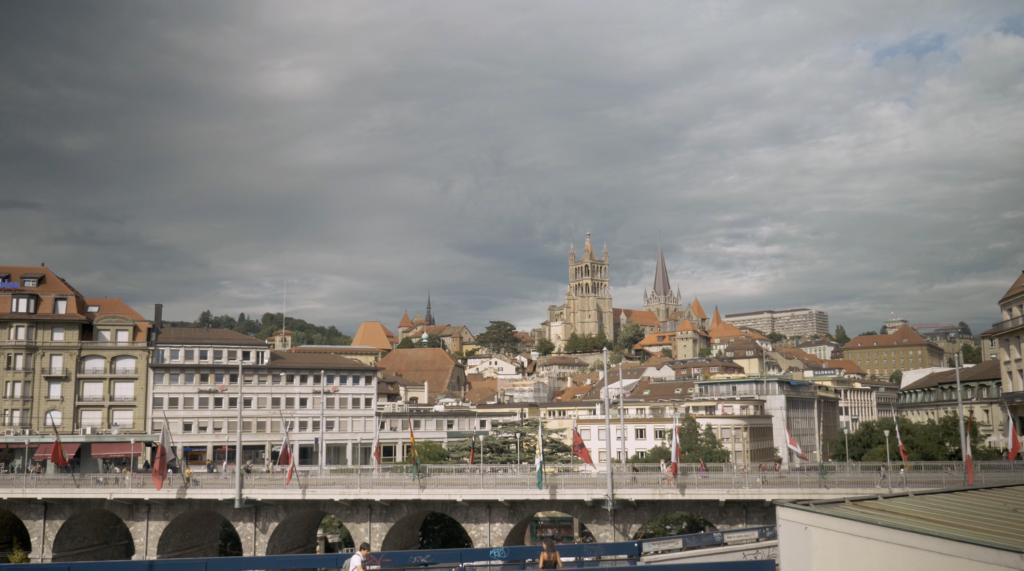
<point x="887" y="467"/>
<point x="239" y="502"/>
<point x="958" y="358"/>
<point x="323" y="447"/>
<point x="519" y="460"/>
<point x="846" y="432"/>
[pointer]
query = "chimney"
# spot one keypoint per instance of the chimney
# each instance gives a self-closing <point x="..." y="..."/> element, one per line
<point x="42" y="264"/>
<point x="158" y="316"/>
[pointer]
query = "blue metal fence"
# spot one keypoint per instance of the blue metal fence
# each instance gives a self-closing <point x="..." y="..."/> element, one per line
<point x="584" y="555"/>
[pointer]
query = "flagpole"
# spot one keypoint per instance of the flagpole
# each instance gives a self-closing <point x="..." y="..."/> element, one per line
<point x="960" y="413"/>
<point x="608" y="435"/>
<point x="167" y="427"/>
<point x="238" y="442"/>
<point x="58" y="443"/>
<point x="291" y="457"/>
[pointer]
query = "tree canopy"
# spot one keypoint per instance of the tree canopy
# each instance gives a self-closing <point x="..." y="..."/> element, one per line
<point x="925" y="441"/>
<point x="406" y="343"/>
<point x="545" y="346"/>
<point x="868" y="333"/>
<point x="673" y="523"/>
<point x="500" y="445"/>
<point x="963" y="326"/>
<point x="630" y="334"/>
<point x="776" y="337"/>
<point x="841" y="337"/>
<point x="500" y="337"/>
<point x="586" y="343"/>
<point x="704" y="352"/>
<point x="304" y="333"/>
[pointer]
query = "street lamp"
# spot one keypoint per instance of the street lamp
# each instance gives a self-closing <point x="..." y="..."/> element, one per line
<point x="519" y="460"/>
<point x="846" y="431"/>
<point x="887" y="467"/>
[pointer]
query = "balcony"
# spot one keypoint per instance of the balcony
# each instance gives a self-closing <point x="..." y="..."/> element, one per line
<point x="1008" y="325"/>
<point x="92" y="398"/>
<point x="24" y="370"/>
<point x="123" y="425"/>
<point x="132" y="372"/>
<point x="92" y="370"/>
<point x="54" y="372"/>
<point x="21" y="343"/>
<point x="124" y="398"/>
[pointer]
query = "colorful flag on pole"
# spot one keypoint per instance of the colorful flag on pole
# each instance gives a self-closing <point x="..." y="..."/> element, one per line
<point x="792" y="445"/>
<point x="472" y="450"/>
<point x="415" y="454"/>
<point x="968" y="460"/>
<point x="164" y="455"/>
<point x="285" y="458"/>
<point x="57" y="454"/>
<point x="676" y="452"/>
<point x="580" y="449"/>
<point x="539" y="457"/>
<point x="1012" y="440"/>
<point x="899" y="441"/>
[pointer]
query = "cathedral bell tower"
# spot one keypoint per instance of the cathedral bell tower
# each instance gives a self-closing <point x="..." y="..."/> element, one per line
<point x="588" y="301"/>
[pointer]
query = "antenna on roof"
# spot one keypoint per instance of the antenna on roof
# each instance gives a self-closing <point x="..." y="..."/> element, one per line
<point x="284" y="308"/>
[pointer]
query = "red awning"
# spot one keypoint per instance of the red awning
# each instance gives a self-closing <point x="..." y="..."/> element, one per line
<point x="116" y="450"/>
<point x="44" y="451"/>
<point x="18" y="446"/>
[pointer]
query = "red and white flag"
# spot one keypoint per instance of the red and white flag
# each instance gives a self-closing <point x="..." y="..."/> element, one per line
<point x="286" y="458"/>
<point x="674" y="467"/>
<point x="472" y="450"/>
<point x="164" y="456"/>
<point x="580" y="449"/>
<point x="1012" y="440"/>
<point x="899" y="441"/>
<point x="792" y="445"/>
<point x="376" y="450"/>
<point x="968" y="460"/>
<point x="57" y="454"/>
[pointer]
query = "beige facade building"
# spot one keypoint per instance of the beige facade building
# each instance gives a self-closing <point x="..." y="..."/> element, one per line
<point x="934" y="396"/>
<point x="902" y="350"/>
<point x="71" y="362"/>
<point x="1008" y="335"/>
<point x="588" y="300"/>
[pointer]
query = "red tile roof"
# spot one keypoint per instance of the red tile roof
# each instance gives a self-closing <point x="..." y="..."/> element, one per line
<point x="647" y="318"/>
<point x="374" y="334"/>
<point x="902" y="336"/>
<point x="716" y="319"/>
<point x="1016" y="288"/>
<point x="698" y="309"/>
<point x="432" y="365"/>
<point x="405" y="322"/>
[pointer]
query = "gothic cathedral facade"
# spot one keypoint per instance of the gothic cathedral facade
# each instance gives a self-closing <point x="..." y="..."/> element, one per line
<point x="588" y="299"/>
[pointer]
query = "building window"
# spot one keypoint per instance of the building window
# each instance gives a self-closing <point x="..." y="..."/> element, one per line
<point x="92" y="309"/>
<point x="124" y="419"/>
<point x="53" y="418"/>
<point x="204" y="355"/>
<point x="92" y="418"/>
<point x="23" y="304"/>
<point x="158" y="403"/>
<point x="659" y="434"/>
<point x="57" y="334"/>
<point x="60" y="306"/>
<point x="53" y="390"/>
<point x="641" y="434"/>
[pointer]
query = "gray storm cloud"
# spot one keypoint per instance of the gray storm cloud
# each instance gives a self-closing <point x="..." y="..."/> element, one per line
<point x="857" y="159"/>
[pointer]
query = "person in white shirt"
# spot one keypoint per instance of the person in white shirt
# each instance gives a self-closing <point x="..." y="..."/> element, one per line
<point x="356" y="562"/>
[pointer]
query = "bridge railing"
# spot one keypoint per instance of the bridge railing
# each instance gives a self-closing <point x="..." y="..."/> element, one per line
<point x="562" y="476"/>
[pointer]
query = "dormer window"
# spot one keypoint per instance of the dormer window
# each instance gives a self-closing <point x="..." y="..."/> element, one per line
<point x="60" y="306"/>
<point x="92" y="309"/>
<point x="24" y="304"/>
<point x="29" y="282"/>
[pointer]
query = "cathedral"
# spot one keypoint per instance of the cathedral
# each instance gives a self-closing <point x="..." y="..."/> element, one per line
<point x="588" y="299"/>
<point x="588" y="307"/>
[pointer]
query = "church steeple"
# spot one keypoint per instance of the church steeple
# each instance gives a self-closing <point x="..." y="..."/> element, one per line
<point x="661" y="285"/>
<point x="430" y="317"/>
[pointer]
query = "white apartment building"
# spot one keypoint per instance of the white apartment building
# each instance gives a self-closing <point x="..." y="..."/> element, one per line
<point x="801" y="322"/>
<point x="194" y="389"/>
<point x="494" y="367"/>
<point x="443" y="423"/>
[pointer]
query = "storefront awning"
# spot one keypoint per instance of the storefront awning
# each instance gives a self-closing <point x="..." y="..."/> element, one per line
<point x="116" y="449"/>
<point x="44" y="450"/>
<point x="18" y="446"/>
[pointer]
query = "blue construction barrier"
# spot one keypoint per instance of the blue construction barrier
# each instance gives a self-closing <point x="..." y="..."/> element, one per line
<point x="584" y="555"/>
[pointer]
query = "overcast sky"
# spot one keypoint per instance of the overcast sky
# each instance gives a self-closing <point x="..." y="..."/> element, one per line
<point x="858" y="158"/>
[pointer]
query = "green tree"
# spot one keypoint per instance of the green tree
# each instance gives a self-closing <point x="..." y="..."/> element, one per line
<point x="500" y="337"/>
<point x="972" y="354"/>
<point x="545" y="346"/>
<point x="896" y="377"/>
<point x="630" y="334"/>
<point x="673" y="523"/>
<point x="205" y="319"/>
<point x="868" y="333"/>
<point x="18" y="554"/>
<point x="654" y="455"/>
<point x="964" y="327"/>
<point x="574" y="344"/>
<point x="697" y="444"/>
<point x="430" y="452"/>
<point x="600" y="341"/>
<point x="666" y="352"/>
<point x="776" y="337"/>
<point x="406" y="343"/>
<point x="924" y="441"/>
<point x="704" y="352"/>
<point x="841" y="337"/>
<point x="500" y="445"/>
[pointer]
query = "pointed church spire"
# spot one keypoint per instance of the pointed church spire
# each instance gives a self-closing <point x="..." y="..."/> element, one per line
<point x="588" y="249"/>
<point x="429" y="318"/>
<point x="661" y="285"/>
<point x="716" y="319"/>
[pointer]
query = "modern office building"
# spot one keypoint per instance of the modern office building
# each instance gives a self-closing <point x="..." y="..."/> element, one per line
<point x="800" y="322"/>
<point x="200" y="377"/>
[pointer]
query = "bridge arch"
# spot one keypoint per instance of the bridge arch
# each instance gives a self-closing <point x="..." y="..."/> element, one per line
<point x="426" y="530"/>
<point x="673" y="523"/>
<point x="300" y="533"/>
<point x="13" y="534"/>
<point x="543" y="524"/>
<point x="93" y="535"/>
<point x="199" y="533"/>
